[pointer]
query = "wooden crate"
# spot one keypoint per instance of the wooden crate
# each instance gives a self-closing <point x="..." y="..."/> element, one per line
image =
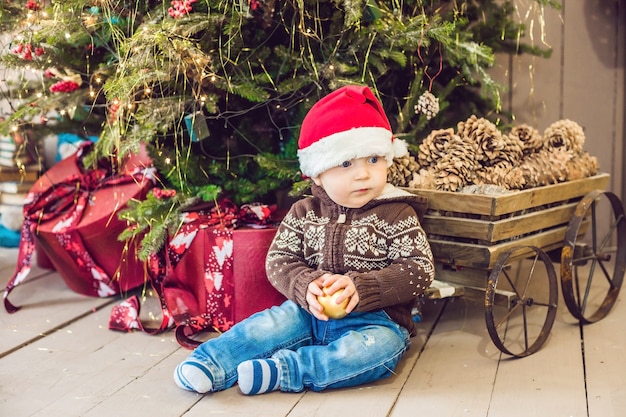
<point x="472" y="230"/>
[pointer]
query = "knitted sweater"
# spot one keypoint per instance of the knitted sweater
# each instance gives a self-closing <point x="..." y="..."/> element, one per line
<point x="381" y="246"/>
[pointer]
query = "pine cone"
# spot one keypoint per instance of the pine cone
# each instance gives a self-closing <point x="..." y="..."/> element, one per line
<point x="436" y="146"/>
<point x="455" y="170"/>
<point x="510" y="155"/>
<point x="582" y="166"/>
<point x="502" y="176"/>
<point x="400" y="173"/>
<point x="565" y="133"/>
<point x="448" y="181"/>
<point x="423" y="179"/>
<point x="484" y="137"/>
<point x="531" y="139"/>
<point x="427" y="104"/>
<point x="544" y="167"/>
<point x="515" y="180"/>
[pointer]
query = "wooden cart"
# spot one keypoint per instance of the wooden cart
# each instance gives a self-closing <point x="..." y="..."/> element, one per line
<point x="476" y="240"/>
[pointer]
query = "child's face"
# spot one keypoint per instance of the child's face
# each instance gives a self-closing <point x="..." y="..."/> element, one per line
<point x="355" y="182"/>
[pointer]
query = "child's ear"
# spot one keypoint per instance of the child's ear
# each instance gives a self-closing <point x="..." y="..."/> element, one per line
<point x="317" y="181"/>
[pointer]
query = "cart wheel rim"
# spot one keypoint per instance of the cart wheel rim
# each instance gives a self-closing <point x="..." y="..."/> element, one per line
<point x="498" y="327"/>
<point x="575" y="287"/>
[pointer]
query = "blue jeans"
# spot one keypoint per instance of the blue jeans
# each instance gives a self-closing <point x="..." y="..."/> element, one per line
<point x="312" y="354"/>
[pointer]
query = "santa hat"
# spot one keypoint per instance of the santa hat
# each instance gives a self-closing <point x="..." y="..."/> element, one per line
<point x="346" y="124"/>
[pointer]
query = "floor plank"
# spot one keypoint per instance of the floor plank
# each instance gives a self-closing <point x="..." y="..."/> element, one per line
<point x="46" y="304"/>
<point x="551" y="381"/>
<point x="77" y="367"/>
<point x="547" y="383"/>
<point x="605" y="361"/>
<point x="455" y="373"/>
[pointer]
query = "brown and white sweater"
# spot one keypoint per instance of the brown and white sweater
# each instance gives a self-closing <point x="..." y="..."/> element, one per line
<point x="381" y="246"/>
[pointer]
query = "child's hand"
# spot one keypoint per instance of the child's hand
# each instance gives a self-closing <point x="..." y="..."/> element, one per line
<point x="313" y="291"/>
<point x="332" y="283"/>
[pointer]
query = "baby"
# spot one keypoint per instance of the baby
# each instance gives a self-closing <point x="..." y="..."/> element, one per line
<point x="357" y="235"/>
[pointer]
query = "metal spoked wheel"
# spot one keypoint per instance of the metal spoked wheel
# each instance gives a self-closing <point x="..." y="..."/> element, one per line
<point x="520" y="308"/>
<point x="595" y="243"/>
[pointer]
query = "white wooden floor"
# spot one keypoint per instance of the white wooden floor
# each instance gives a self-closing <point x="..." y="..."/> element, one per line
<point x="58" y="358"/>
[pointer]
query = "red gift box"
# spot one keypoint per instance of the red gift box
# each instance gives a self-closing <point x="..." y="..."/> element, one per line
<point x="240" y="261"/>
<point x="72" y="214"/>
<point x="98" y="228"/>
<point x="253" y="291"/>
<point x="209" y="275"/>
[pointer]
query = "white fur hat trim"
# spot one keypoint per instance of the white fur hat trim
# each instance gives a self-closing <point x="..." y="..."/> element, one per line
<point x="339" y="147"/>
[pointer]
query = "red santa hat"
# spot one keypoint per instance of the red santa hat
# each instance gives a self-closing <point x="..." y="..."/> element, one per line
<point x="346" y="124"/>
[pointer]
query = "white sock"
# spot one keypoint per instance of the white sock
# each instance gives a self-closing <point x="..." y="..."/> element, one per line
<point x="258" y="376"/>
<point x="193" y="376"/>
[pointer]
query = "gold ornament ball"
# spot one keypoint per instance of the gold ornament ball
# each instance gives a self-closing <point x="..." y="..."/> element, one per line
<point x="331" y="308"/>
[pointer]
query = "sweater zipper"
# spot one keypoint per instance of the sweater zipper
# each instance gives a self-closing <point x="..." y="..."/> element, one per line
<point x="342" y="215"/>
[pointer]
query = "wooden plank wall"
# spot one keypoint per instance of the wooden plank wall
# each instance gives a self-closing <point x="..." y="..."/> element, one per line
<point x="584" y="79"/>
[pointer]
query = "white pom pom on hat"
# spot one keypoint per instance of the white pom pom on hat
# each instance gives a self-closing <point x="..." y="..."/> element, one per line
<point x="346" y="124"/>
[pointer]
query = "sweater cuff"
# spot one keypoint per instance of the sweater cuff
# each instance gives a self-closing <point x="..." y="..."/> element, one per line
<point x="367" y="287"/>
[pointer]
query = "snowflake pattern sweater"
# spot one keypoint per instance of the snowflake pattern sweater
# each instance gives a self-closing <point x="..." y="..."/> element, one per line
<point x="381" y="246"/>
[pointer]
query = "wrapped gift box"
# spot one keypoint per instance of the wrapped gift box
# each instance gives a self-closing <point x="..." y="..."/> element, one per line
<point x="253" y="291"/>
<point x="195" y="293"/>
<point x="98" y="229"/>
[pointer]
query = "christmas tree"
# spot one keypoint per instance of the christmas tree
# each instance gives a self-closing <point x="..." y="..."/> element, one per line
<point x="216" y="89"/>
